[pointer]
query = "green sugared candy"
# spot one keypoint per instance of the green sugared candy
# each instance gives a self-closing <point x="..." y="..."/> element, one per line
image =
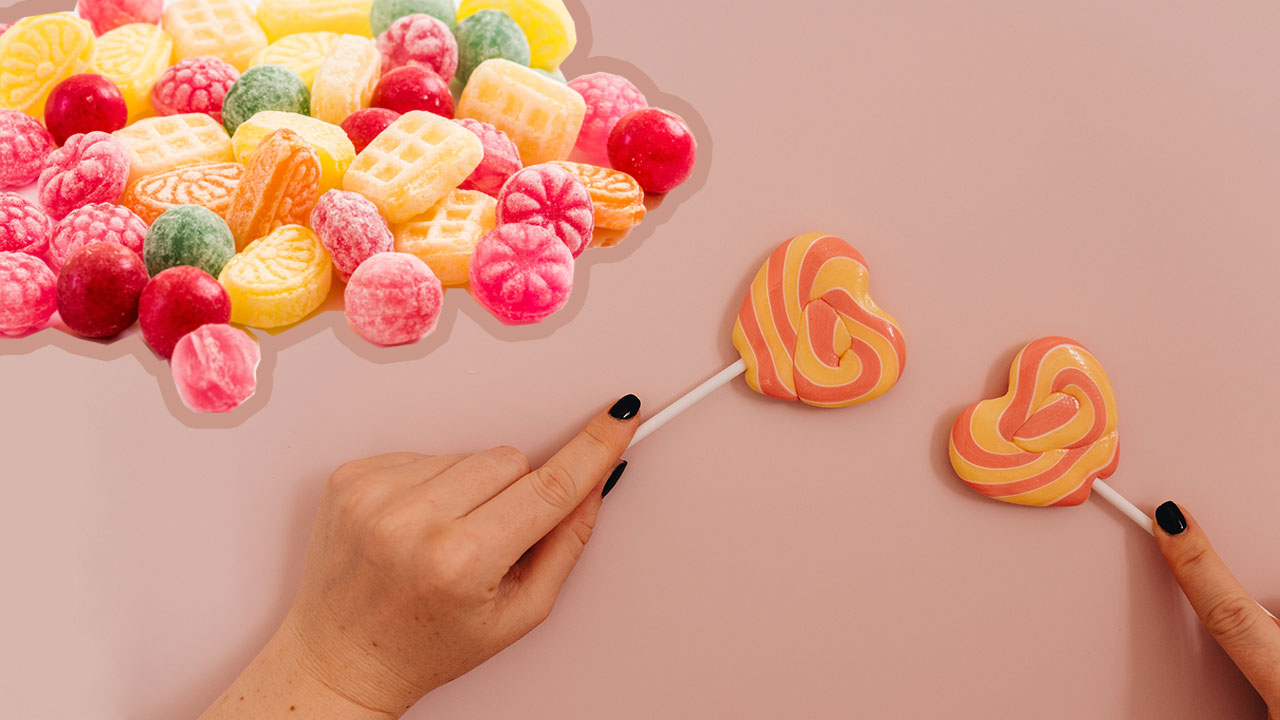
<point x="265" y="87"/>
<point x="385" y="12"/>
<point x="487" y="35"/>
<point x="188" y="235"/>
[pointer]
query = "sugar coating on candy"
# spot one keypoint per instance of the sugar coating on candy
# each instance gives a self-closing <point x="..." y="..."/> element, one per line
<point x="209" y="185"/>
<point x="501" y="158"/>
<point x="107" y="15"/>
<point x="24" y="227"/>
<point x="188" y="235"/>
<point x="655" y="147"/>
<point x="302" y="53"/>
<point x="522" y="274"/>
<point x="362" y="126"/>
<point x="98" y="290"/>
<point x="223" y="29"/>
<point x="419" y="40"/>
<point x="82" y="104"/>
<point x="486" y="35"/>
<point x="351" y="229"/>
<point x="278" y="280"/>
<point x="413" y="87"/>
<point x="546" y="23"/>
<point x="215" y="368"/>
<point x="24" y="148"/>
<point x="616" y="196"/>
<point x="176" y="302"/>
<point x="385" y="12"/>
<point x="28" y="293"/>
<point x="265" y="87"/>
<point x="541" y="116"/>
<point x="194" y="85"/>
<point x="156" y="144"/>
<point x="393" y="299"/>
<point x="281" y="18"/>
<point x="100" y="222"/>
<point x="609" y="98"/>
<point x="134" y="57"/>
<point x="345" y="80"/>
<point x="281" y="184"/>
<point x="40" y="52"/>
<point x="445" y="237"/>
<point x="88" y="169"/>
<point x="332" y="144"/>
<point x="549" y="197"/>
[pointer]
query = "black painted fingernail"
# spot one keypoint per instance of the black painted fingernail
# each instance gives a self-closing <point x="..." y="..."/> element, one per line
<point x="626" y="408"/>
<point x="613" y="478"/>
<point x="1170" y="518"/>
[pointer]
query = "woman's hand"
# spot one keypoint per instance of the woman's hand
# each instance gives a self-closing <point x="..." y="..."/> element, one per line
<point x="422" y="567"/>
<point x="1249" y="634"/>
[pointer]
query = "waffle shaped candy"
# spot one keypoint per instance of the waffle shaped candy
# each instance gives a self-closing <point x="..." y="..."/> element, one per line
<point x="445" y="237"/>
<point x="223" y="29"/>
<point x="541" y="116"/>
<point x="160" y="143"/>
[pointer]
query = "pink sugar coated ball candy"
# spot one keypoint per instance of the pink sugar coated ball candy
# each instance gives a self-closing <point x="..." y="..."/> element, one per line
<point x="24" y="148"/>
<point x="98" y="289"/>
<point x="88" y="169"/>
<point x="362" y="126"/>
<point x="28" y="293"/>
<point x="84" y="103"/>
<point x="393" y="299"/>
<point x="609" y="99"/>
<point x="106" y="15"/>
<point x="522" y="274"/>
<point x="549" y="197"/>
<point x="215" y="368"/>
<point x="501" y="158"/>
<point x="351" y="229"/>
<point x="655" y="147"/>
<point x="178" y="301"/>
<point x="24" y="227"/>
<point x="100" y="222"/>
<point x="419" y="40"/>
<point x="194" y="85"/>
<point x="413" y="87"/>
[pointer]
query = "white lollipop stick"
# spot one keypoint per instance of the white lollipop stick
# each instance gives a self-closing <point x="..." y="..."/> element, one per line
<point x="1106" y="492"/>
<point x="669" y="413"/>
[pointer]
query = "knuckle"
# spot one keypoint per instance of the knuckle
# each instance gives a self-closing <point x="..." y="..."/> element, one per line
<point x="509" y="458"/>
<point x="554" y="484"/>
<point x="600" y="440"/>
<point x="391" y="530"/>
<point x="453" y="561"/>
<point x="1231" y="618"/>
<point x="356" y="504"/>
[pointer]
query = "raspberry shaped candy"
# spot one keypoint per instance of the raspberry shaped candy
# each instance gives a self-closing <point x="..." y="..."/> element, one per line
<point x="24" y="148"/>
<point x="655" y="147"/>
<point x="194" y="85"/>
<point x="351" y="229"/>
<point x="413" y="87"/>
<point x="107" y="15"/>
<point x="84" y="103"/>
<point x="215" y="368"/>
<point x="362" y="126"/>
<point x="88" y="169"/>
<point x="100" y="222"/>
<point x="553" y="198"/>
<point x="24" y="227"/>
<point x="176" y="302"/>
<point x="609" y="98"/>
<point x="522" y="274"/>
<point x="419" y="40"/>
<point x="28" y="293"/>
<point x="501" y="158"/>
<point x="98" y="290"/>
<point x="393" y="299"/>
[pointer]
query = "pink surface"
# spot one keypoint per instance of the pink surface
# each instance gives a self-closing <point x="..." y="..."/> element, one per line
<point x="1099" y="170"/>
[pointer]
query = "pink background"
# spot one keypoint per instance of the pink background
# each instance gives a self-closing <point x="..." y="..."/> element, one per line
<point x="1107" y="171"/>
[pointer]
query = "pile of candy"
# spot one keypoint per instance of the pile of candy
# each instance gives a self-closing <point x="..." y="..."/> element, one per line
<point x="203" y="164"/>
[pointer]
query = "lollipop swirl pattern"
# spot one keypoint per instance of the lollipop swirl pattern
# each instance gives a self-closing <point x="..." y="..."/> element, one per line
<point x="1045" y="441"/>
<point x="809" y="330"/>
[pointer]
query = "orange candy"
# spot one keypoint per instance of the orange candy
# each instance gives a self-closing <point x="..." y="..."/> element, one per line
<point x="616" y="196"/>
<point x="281" y="185"/>
<point x="209" y="185"/>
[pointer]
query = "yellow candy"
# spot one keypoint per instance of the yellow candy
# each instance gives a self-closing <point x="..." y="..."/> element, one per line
<point x="278" y="279"/>
<point x="161" y="143"/>
<point x="345" y="81"/>
<point x="542" y="116"/>
<point x="217" y="28"/>
<point x="134" y="57"/>
<point x="36" y="54"/>
<point x="445" y="237"/>
<point x="413" y="164"/>
<point x="546" y="23"/>
<point x="286" y="17"/>
<point x="302" y="53"/>
<point x="330" y="141"/>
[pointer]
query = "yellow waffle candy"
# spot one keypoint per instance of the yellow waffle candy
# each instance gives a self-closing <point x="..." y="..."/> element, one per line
<point x="541" y="116"/>
<point x="345" y="81"/>
<point x="445" y="236"/>
<point x="134" y="57"/>
<point x="36" y="54"/>
<point x="278" y="279"/>
<point x="330" y="142"/>
<point x="413" y="164"/>
<point x="546" y="23"/>
<point x="216" y="28"/>
<point x="302" y="53"/>
<point x="617" y="198"/>
<point x="281" y="18"/>
<point x="162" y="143"/>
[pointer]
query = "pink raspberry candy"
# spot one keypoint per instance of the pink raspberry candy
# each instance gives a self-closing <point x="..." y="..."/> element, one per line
<point x="393" y="299"/>
<point x="88" y="169"/>
<point x="419" y="40"/>
<point x="194" y="85"/>
<point x="522" y="274"/>
<point x="24" y="227"/>
<point x="28" y="293"/>
<point x="549" y="197"/>
<point x="24" y="148"/>
<point x="609" y="98"/>
<point x="215" y="368"/>
<point x="351" y="228"/>
<point x="106" y="15"/>
<point x="100" y="222"/>
<point x="501" y="158"/>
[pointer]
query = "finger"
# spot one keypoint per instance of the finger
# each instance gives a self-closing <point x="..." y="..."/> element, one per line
<point x="472" y="482"/>
<point x="1243" y="629"/>
<point x="406" y="475"/>
<point x="536" y="503"/>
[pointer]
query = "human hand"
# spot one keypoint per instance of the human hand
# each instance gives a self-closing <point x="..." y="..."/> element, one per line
<point x="422" y="567"/>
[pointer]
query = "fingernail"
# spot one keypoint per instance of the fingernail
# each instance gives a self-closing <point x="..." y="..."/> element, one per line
<point x="1170" y="518"/>
<point x="626" y="408"/>
<point x="613" y="478"/>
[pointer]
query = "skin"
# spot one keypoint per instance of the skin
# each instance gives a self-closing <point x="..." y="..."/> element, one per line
<point x="419" y="569"/>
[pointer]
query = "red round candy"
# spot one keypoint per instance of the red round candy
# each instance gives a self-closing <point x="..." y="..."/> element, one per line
<point x="82" y="104"/>
<point x="413" y="87"/>
<point x="655" y="147"/>
<point x="98" y="289"/>
<point x="362" y="126"/>
<point x="178" y="301"/>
